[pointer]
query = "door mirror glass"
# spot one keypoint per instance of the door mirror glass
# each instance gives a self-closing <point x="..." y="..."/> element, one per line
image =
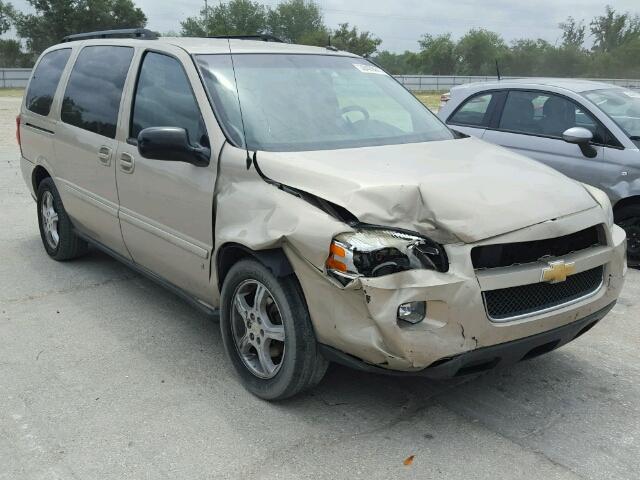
<point x="577" y="135"/>
<point x="171" y="144"/>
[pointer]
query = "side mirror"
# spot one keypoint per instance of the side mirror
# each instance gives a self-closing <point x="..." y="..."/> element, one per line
<point x="171" y="144"/>
<point x="581" y="137"/>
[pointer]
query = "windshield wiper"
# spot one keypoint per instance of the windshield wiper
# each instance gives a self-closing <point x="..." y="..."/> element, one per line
<point x="635" y="137"/>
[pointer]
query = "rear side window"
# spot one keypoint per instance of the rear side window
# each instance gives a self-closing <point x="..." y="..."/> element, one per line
<point x="44" y="82"/>
<point x="94" y="90"/>
<point x="164" y="99"/>
<point x="473" y="112"/>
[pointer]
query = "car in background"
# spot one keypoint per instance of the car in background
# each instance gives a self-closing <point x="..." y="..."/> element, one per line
<point x="587" y="130"/>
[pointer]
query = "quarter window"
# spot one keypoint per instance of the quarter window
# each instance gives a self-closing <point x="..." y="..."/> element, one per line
<point x="44" y="82"/>
<point x="544" y="114"/>
<point x="474" y="112"/>
<point x="164" y="99"/>
<point x="94" y="91"/>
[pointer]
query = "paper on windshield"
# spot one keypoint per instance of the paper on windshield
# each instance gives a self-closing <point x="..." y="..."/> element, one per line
<point x="369" y="69"/>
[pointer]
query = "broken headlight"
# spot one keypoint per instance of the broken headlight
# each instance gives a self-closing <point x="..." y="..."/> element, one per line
<point x="379" y="252"/>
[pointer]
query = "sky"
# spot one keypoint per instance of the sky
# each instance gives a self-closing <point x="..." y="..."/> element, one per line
<point x="400" y="23"/>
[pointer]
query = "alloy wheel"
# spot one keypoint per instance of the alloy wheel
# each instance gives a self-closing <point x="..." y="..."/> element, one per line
<point x="257" y="329"/>
<point x="49" y="219"/>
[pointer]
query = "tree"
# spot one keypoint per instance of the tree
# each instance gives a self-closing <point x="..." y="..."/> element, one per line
<point x="573" y="33"/>
<point x="298" y="21"/>
<point x="238" y="17"/>
<point x="396" y="64"/>
<point x="349" y="39"/>
<point x="612" y="30"/>
<point x="525" y="57"/>
<point x="54" y="19"/>
<point x="478" y="51"/>
<point x="437" y="55"/>
<point x="12" y="56"/>
<point x="7" y="13"/>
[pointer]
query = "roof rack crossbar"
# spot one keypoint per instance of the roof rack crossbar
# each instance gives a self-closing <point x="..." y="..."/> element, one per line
<point x="139" y="33"/>
<point x="263" y="37"/>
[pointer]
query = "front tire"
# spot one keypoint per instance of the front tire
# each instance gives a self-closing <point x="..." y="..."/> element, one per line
<point x="59" y="240"/>
<point x="629" y="219"/>
<point x="267" y="332"/>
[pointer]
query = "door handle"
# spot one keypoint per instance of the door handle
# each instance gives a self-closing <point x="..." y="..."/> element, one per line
<point x="104" y="156"/>
<point x="127" y="163"/>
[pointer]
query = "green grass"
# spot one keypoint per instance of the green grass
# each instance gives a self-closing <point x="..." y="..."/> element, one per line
<point x="430" y="99"/>
<point x="11" y="92"/>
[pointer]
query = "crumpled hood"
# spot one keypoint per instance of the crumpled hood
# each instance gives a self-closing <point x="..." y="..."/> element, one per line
<point x="467" y="188"/>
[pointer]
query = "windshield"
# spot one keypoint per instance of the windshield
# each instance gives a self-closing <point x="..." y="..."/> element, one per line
<point x="314" y="102"/>
<point x="622" y="105"/>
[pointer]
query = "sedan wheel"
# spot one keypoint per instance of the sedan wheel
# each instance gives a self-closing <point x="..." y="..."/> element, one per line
<point x="632" y="227"/>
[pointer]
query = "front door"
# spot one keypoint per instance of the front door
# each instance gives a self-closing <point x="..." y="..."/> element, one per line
<point x="532" y="124"/>
<point x="85" y="144"/>
<point x="166" y="207"/>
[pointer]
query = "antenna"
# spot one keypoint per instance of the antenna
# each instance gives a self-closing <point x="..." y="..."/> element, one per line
<point x="498" y="70"/>
<point x="235" y="79"/>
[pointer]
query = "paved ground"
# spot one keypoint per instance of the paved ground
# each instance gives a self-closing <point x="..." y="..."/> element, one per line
<point x="104" y="375"/>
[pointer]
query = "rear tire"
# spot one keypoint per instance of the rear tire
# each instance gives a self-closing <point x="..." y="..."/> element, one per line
<point x="260" y="311"/>
<point x="628" y="217"/>
<point x="58" y="237"/>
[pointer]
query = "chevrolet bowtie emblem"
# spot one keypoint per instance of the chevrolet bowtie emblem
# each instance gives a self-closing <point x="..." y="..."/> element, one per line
<point x="558" y="272"/>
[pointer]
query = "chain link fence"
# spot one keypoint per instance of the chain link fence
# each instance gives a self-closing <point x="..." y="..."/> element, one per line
<point x="18" y="78"/>
<point x="436" y="83"/>
<point x="14" y="77"/>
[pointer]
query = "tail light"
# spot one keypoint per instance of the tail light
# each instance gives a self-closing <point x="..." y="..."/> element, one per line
<point x="18" y="120"/>
<point x="444" y="98"/>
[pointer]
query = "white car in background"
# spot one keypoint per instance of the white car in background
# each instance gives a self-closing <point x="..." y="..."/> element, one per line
<point x="587" y="130"/>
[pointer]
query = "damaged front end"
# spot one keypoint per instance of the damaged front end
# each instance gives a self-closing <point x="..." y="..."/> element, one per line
<point x="402" y="299"/>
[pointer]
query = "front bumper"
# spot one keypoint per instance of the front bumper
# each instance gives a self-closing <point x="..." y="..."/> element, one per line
<point x="485" y="358"/>
<point x="360" y="320"/>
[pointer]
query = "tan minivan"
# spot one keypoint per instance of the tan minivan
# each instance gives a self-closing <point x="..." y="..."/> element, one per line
<point x="314" y="202"/>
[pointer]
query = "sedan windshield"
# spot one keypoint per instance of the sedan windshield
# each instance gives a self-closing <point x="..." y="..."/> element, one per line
<point x="313" y="102"/>
<point x="622" y="105"/>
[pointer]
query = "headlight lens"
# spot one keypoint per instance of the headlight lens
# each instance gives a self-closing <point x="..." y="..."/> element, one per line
<point x="379" y="252"/>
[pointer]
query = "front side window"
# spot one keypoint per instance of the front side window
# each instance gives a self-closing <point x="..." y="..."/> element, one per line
<point x="164" y="98"/>
<point x="94" y="90"/>
<point x="44" y="82"/>
<point x="545" y="114"/>
<point x="314" y="102"/>
<point x="474" y="112"/>
<point x="622" y="106"/>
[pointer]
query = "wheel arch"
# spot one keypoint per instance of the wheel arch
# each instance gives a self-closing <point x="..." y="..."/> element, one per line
<point x="231" y="253"/>
<point x="625" y="202"/>
<point x="38" y="175"/>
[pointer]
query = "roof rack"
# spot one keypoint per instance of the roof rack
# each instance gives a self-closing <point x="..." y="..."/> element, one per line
<point x="261" y="37"/>
<point x="139" y="33"/>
